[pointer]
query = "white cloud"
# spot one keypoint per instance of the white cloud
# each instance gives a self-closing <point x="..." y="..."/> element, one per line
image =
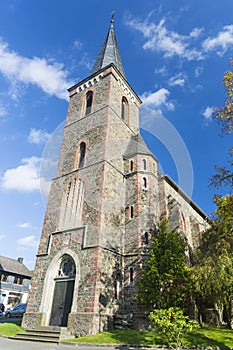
<point x="196" y="32"/>
<point x="28" y="242"/>
<point x="23" y="178"/>
<point x="207" y="114"/>
<point x="3" y="111"/>
<point x="221" y="42"/>
<point x="78" y="44"/>
<point x="24" y="225"/>
<point x="2" y="237"/>
<point x="198" y="71"/>
<point x="38" y="136"/>
<point x="162" y="71"/>
<point x="170" y="43"/>
<point x="157" y="99"/>
<point x="178" y="79"/>
<point x="49" y="76"/>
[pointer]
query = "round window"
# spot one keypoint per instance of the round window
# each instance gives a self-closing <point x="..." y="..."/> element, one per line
<point x="67" y="268"/>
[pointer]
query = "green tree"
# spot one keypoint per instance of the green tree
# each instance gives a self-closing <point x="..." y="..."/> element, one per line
<point x="164" y="280"/>
<point x="224" y="116"/>
<point x="213" y="270"/>
<point x="173" y="324"/>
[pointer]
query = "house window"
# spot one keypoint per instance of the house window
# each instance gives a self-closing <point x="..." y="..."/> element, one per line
<point x="4" y="277"/>
<point x="89" y="100"/>
<point x="131" y="165"/>
<point x="131" y="274"/>
<point x="144" y="164"/>
<point x="82" y="153"/>
<point x="124" y="109"/>
<point x="144" y="182"/>
<point x="18" y="280"/>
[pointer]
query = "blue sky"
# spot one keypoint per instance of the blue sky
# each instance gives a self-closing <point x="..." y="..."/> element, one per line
<point x="174" y="55"/>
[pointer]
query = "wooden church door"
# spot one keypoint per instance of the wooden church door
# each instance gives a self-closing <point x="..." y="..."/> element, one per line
<point x="63" y="293"/>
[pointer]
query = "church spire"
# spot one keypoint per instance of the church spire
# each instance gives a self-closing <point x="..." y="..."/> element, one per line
<point x="109" y="52"/>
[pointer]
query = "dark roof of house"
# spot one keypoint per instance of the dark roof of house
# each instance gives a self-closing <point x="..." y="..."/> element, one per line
<point x="14" y="266"/>
<point x="137" y="145"/>
<point x="109" y="52"/>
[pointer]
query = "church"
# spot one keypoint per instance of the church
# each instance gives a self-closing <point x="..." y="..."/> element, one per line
<point x="105" y="202"/>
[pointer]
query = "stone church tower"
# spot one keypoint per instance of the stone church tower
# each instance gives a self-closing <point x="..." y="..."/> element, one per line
<point x="106" y="199"/>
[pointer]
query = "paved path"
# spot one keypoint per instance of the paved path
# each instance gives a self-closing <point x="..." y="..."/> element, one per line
<point x="9" y="344"/>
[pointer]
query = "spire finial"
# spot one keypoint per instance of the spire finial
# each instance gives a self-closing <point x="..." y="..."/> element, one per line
<point x="112" y="19"/>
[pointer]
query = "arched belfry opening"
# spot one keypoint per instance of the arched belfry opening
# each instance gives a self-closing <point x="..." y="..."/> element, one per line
<point x="124" y="109"/>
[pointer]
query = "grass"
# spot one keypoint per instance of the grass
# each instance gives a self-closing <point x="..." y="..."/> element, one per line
<point x="10" y="329"/>
<point x="221" y="337"/>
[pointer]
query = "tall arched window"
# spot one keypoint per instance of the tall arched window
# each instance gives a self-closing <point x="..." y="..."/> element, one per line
<point x="144" y="164"/>
<point x="131" y="274"/>
<point x="144" y="182"/>
<point x="131" y="212"/>
<point x="82" y="153"/>
<point x="124" y="108"/>
<point x="131" y="165"/>
<point x="146" y="238"/>
<point x="89" y="100"/>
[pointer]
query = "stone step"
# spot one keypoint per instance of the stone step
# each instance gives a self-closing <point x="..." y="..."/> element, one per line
<point x="35" y="339"/>
<point x="39" y="335"/>
<point x="51" y="328"/>
<point x="44" y="334"/>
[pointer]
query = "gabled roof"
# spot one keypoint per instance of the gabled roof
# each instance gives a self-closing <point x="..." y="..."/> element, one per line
<point x="109" y="52"/>
<point x="137" y="145"/>
<point x="14" y="267"/>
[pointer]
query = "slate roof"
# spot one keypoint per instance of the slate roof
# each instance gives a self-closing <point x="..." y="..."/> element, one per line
<point x="137" y="145"/>
<point x="14" y="267"/>
<point x="109" y="52"/>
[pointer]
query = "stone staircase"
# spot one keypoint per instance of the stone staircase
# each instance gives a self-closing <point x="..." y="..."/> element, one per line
<point x="44" y="334"/>
<point x="123" y="321"/>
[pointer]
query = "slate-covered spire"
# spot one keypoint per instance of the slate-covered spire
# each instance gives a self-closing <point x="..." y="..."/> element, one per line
<point x="109" y="52"/>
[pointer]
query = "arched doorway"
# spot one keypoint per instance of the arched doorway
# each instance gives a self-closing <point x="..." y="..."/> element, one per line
<point x="63" y="292"/>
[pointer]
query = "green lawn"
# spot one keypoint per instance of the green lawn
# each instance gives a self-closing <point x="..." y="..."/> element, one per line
<point x="10" y="329"/>
<point x="220" y="337"/>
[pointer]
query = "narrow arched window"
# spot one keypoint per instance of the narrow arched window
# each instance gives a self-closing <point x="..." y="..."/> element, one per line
<point x="124" y="109"/>
<point x="144" y="182"/>
<point x="146" y="238"/>
<point x="131" y="274"/>
<point x="89" y="100"/>
<point x="82" y="153"/>
<point x="131" y="212"/>
<point x="131" y="165"/>
<point x="144" y="164"/>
